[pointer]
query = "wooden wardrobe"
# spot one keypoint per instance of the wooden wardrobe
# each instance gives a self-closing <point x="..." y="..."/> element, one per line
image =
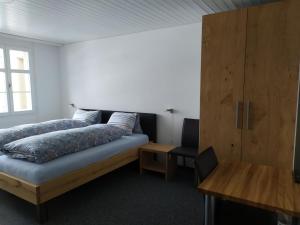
<point x="249" y="83"/>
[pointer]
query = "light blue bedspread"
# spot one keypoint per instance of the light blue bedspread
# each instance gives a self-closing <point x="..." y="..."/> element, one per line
<point x="46" y="147"/>
<point x="22" y="131"/>
<point x="41" y="173"/>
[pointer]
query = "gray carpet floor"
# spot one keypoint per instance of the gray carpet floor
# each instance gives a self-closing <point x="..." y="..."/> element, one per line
<point x="122" y="197"/>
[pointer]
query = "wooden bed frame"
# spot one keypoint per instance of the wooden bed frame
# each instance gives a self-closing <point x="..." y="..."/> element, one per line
<point x="41" y="194"/>
<point x="38" y="194"/>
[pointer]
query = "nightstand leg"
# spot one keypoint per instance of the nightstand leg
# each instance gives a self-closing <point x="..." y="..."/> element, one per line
<point x="166" y="156"/>
<point x="171" y="163"/>
<point x="141" y="162"/>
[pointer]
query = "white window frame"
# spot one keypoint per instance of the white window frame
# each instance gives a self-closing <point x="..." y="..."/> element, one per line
<point x="8" y="75"/>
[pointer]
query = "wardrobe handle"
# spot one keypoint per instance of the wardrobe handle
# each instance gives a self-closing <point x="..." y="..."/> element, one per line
<point x="248" y="108"/>
<point x="238" y="119"/>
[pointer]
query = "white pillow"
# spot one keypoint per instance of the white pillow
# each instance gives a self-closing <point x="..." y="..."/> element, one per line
<point x="91" y="117"/>
<point x="137" y="127"/>
<point x="125" y="121"/>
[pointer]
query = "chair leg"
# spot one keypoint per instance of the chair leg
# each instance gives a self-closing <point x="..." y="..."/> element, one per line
<point x="196" y="181"/>
<point x="42" y="213"/>
<point x="184" y="163"/>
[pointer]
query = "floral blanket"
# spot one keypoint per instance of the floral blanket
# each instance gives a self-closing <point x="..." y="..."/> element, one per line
<point x="27" y="130"/>
<point x="45" y="147"/>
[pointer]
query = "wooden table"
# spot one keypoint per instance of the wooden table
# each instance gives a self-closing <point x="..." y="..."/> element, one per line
<point x="149" y="161"/>
<point x="260" y="186"/>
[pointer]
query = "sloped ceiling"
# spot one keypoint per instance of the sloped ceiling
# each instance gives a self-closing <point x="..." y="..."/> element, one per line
<point x="68" y="21"/>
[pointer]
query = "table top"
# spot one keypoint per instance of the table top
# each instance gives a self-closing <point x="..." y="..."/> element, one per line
<point x="160" y="148"/>
<point x="256" y="185"/>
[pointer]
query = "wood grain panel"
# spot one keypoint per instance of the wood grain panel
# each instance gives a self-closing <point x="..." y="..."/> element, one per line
<point x="72" y="180"/>
<point x="271" y="78"/>
<point x="260" y="186"/>
<point x="20" y="188"/>
<point x="157" y="148"/>
<point x="222" y="78"/>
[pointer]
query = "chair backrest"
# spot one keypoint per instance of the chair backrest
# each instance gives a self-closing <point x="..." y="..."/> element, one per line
<point x="190" y="133"/>
<point x="205" y="163"/>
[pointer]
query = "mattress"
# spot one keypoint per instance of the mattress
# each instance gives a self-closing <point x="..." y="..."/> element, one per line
<point x="40" y="173"/>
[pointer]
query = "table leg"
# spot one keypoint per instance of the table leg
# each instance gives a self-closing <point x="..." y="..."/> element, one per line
<point x="212" y="200"/>
<point x="295" y="221"/>
<point x="206" y="211"/>
<point x="286" y="219"/>
<point x="209" y="214"/>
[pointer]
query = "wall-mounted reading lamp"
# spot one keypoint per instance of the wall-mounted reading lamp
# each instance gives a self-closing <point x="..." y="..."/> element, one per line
<point x="73" y="105"/>
<point x="170" y="110"/>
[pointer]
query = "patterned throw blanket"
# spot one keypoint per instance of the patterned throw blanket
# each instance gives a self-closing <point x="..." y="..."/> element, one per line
<point x="45" y="147"/>
<point x="27" y="130"/>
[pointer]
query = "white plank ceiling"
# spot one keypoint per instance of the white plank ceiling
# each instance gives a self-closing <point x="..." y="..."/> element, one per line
<point x="68" y="21"/>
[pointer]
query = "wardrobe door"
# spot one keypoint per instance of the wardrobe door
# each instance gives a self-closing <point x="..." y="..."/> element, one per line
<point x="222" y="79"/>
<point x="271" y="79"/>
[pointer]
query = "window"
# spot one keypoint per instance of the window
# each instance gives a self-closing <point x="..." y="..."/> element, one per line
<point x="15" y="81"/>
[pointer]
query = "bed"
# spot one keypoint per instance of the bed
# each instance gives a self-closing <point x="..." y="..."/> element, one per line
<point x="39" y="183"/>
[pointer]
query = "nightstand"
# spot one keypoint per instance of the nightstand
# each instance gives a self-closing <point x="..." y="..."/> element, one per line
<point x="149" y="159"/>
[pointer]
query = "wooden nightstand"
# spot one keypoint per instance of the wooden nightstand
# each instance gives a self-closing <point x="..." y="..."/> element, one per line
<point x="148" y="161"/>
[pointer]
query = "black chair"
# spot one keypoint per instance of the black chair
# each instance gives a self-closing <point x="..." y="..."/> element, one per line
<point x="205" y="163"/>
<point x="189" y="140"/>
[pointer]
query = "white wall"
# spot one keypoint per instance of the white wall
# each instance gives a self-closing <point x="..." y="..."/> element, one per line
<point x="144" y="72"/>
<point x="46" y="78"/>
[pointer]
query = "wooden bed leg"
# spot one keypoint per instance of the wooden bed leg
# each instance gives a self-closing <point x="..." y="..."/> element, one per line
<point x="42" y="213"/>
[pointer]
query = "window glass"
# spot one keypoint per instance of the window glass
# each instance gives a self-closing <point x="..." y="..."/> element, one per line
<point x="19" y="60"/>
<point x="21" y="90"/>
<point x="22" y="101"/>
<point x="3" y="94"/>
<point x="3" y="103"/>
<point x="21" y="82"/>
<point x="1" y="59"/>
<point x="2" y="82"/>
<point x="15" y="81"/>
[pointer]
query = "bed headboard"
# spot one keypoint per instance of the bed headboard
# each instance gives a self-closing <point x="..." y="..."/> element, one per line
<point x="148" y="122"/>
